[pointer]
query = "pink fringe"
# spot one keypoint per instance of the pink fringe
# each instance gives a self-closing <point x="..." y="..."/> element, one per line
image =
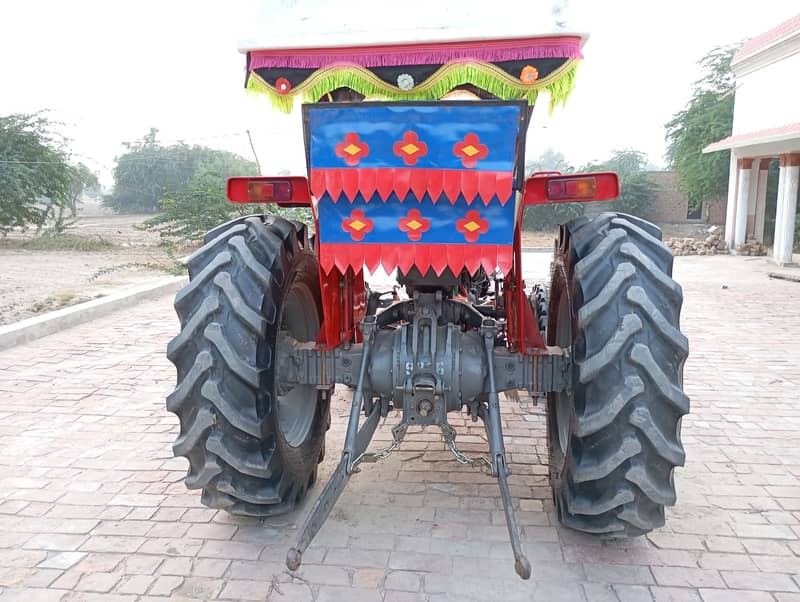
<point x="488" y="51"/>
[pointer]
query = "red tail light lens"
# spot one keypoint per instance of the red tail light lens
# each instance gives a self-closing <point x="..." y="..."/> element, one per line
<point x="572" y="188"/>
<point x="291" y="192"/>
<point x="269" y="192"/>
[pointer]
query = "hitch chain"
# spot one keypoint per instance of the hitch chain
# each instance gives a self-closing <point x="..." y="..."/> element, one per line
<point x="449" y="434"/>
<point x="398" y="432"/>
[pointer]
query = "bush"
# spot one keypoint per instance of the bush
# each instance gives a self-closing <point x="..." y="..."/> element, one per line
<point x="550" y="216"/>
<point x="202" y="205"/>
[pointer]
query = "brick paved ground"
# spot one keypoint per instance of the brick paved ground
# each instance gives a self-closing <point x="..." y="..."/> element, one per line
<point x="92" y="505"/>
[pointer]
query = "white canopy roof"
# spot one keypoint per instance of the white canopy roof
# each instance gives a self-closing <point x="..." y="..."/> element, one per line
<point x="321" y="24"/>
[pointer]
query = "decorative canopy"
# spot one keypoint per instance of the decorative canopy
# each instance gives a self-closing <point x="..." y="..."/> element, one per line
<point x="509" y="69"/>
<point x="428" y="184"/>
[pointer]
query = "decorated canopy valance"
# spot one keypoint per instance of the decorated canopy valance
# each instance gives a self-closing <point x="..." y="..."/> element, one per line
<point x="510" y="69"/>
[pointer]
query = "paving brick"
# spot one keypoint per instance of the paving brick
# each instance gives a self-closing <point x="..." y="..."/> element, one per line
<point x="98" y="582"/>
<point x="366" y="578"/>
<point x="406" y="581"/>
<point x="410" y="561"/>
<point x="165" y="585"/>
<point x="674" y="594"/>
<point x="199" y="588"/>
<point x="61" y="560"/>
<point x="290" y="592"/>
<point x="621" y="574"/>
<point x="249" y="590"/>
<point x="768" y="582"/>
<point x="135" y="584"/>
<point x="209" y="567"/>
<point x="211" y="531"/>
<point x="32" y="594"/>
<point x="633" y="593"/>
<point x="726" y="595"/>
<point x="329" y="593"/>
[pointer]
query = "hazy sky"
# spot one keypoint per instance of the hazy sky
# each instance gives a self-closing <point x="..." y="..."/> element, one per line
<point x="112" y="70"/>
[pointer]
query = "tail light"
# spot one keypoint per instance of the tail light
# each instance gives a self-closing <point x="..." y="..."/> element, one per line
<point x="286" y="192"/>
<point x="571" y="188"/>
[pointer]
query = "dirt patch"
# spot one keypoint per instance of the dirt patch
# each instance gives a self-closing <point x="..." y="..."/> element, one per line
<point x="97" y="254"/>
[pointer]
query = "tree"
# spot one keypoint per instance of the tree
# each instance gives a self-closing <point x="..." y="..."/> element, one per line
<point x="147" y="172"/>
<point x="638" y="192"/>
<point x="150" y="172"/>
<point x="34" y="175"/>
<point x="83" y="181"/>
<point x="707" y="117"/>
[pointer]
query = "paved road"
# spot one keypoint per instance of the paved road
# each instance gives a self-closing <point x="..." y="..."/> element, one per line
<point x="92" y="506"/>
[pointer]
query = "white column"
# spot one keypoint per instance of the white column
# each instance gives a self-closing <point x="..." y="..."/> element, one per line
<point x="776" y="244"/>
<point x="742" y="200"/>
<point x="752" y="203"/>
<point x="730" y="210"/>
<point x="788" y="209"/>
<point x="761" y="200"/>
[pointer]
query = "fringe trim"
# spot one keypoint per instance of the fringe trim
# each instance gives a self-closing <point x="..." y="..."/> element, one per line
<point x="494" y="80"/>
<point x="420" y="54"/>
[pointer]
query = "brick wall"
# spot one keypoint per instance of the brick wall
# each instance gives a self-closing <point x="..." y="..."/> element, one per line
<point x="714" y="212"/>
<point x="671" y="204"/>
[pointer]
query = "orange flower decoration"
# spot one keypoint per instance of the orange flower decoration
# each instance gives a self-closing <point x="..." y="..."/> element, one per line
<point x="529" y="74"/>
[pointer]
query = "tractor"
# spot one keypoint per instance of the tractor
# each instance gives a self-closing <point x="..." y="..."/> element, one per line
<point x="415" y="165"/>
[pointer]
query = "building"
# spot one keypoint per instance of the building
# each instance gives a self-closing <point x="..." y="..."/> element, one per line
<point x="766" y="125"/>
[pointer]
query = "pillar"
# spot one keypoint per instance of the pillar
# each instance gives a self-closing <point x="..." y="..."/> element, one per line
<point x="730" y="211"/>
<point x="776" y="242"/>
<point x="787" y="208"/>
<point x="761" y="200"/>
<point x="742" y="200"/>
<point x="752" y="203"/>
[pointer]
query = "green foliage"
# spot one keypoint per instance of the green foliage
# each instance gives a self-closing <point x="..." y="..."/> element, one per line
<point x="83" y="180"/>
<point x="149" y="172"/>
<point x="638" y="193"/>
<point x="707" y="117"/>
<point x="201" y="206"/>
<point x="34" y="175"/>
<point x="198" y="207"/>
<point x="549" y="216"/>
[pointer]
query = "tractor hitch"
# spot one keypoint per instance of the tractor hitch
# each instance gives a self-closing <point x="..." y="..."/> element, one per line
<point x="427" y="356"/>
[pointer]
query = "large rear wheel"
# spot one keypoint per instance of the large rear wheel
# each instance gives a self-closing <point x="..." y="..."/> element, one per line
<point x="614" y="439"/>
<point x="252" y="446"/>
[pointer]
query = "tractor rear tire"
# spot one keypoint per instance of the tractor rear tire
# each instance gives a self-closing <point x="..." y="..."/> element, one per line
<point x="614" y="439"/>
<point x="251" y="450"/>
